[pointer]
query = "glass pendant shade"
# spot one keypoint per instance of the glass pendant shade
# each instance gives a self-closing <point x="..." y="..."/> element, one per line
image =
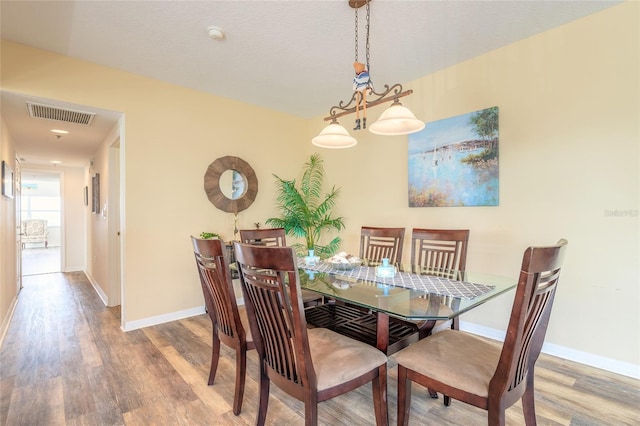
<point x="396" y="120"/>
<point x="334" y="136"/>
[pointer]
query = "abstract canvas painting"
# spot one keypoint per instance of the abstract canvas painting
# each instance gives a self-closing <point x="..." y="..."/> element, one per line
<point x="454" y="161"/>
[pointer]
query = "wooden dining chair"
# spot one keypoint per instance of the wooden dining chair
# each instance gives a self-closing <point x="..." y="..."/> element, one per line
<point x="380" y="243"/>
<point x="312" y="365"/>
<point x="440" y="252"/>
<point x="276" y="237"/>
<point x="481" y="373"/>
<point x="230" y="322"/>
<point x="264" y="237"/>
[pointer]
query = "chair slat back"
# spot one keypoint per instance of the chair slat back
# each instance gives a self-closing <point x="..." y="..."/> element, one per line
<point x="529" y="317"/>
<point x="264" y="237"/>
<point x="439" y="249"/>
<point x="271" y="288"/>
<point x="274" y="237"/>
<point x="380" y="243"/>
<point x="217" y="287"/>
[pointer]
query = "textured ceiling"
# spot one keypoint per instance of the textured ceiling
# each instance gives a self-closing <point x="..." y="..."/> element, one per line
<point x="290" y="56"/>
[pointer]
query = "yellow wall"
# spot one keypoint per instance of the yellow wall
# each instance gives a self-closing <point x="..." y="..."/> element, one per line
<point x="98" y="244"/>
<point x="569" y="154"/>
<point x="172" y="135"/>
<point x="8" y="283"/>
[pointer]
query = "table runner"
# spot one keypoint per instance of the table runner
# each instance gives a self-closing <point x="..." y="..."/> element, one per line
<point x="429" y="283"/>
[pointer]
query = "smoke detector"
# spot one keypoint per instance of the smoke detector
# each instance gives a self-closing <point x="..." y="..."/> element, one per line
<point x="215" y="33"/>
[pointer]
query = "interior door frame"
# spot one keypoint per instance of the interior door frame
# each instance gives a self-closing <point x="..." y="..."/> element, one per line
<point x="18" y="215"/>
<point x="61" y="259"/>
<point x="113" y="224"/>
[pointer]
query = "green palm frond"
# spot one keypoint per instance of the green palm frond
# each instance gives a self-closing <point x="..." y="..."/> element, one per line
<point x="305" y="212"/>
<point x="311" y="184"/>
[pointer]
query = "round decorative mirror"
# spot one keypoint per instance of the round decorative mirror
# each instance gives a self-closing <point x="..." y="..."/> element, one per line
<point x="231" y="184"/>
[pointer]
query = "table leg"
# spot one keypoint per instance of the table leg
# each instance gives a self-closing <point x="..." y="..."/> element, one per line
<point x="382" y="331"/>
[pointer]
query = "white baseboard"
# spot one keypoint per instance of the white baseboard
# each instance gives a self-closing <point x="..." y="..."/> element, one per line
<point x="614" y="366"/>
<point x="6" y="321"/>
<point x="74" y="269"/>
<point x="146" y="322"/>
<point x="101" y="294"/>
<point x="173" y="316"/>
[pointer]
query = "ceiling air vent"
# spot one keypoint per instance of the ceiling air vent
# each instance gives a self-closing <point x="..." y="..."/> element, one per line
<point x="61" y="114"/>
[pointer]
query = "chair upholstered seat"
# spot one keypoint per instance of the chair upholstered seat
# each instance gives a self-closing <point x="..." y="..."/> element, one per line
<point x="475" y="360"/>
<point x="339" y="359"/>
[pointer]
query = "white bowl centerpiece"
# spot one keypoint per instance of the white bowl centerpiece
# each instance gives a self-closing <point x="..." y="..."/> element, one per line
<point x="343" y="261"/>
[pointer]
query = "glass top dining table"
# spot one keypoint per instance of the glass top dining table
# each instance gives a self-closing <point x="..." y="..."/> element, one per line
<point x="393" y="307"/>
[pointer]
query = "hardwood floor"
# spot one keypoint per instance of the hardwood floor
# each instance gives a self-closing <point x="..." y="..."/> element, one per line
<point x="40" y="260"/>
<point x="65" y="361"/>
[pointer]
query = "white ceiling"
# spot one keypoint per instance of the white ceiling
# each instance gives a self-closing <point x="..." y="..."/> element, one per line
<point x="290" y="56"/>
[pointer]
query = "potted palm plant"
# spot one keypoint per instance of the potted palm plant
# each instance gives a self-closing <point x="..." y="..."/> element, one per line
<point x="305" y="213"/>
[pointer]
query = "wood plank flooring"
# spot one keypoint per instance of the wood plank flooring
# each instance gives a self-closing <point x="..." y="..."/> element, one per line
<point x="40" y="260"/>
<point x="65" y="361"/>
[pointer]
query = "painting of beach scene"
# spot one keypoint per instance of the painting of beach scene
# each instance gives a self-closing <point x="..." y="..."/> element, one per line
<point x="454" y="161"/>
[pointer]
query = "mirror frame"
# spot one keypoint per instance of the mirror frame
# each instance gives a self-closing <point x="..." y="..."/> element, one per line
<point x="212" y="184"/>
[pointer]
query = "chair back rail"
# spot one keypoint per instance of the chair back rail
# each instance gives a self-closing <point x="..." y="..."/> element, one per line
<point x="217" y="286"/>
<point x="439" y="249"/>
<point x="529" y="320"/>
<point x="441" y="252"/>
<point x="220" y="301"/>
<point x="264" y="237"/>
<point x="276" y="237"/>
<point x="277" y="310"/>
<point x="380" y="243"/>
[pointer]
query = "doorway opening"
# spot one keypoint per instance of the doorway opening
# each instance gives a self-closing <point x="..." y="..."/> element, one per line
<point x="41" y="224"/>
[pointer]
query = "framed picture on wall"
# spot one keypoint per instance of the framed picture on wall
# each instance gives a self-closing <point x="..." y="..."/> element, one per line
<point x="7" y="180"/>
<point x="86" y="195"/>
<point x="95" y="193"/>
<point x="454" y="161"/>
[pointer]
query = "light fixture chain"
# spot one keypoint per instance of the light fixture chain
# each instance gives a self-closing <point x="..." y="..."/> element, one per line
<point x="356" y="9"/>
<point x="367" y="45"/>
<point x="388" y="123"/>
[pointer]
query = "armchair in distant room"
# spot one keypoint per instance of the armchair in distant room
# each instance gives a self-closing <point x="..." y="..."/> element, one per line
<point x="34" y="231"/>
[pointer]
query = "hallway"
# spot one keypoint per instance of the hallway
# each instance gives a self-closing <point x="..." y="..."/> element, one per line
<point x="40" y="260"/>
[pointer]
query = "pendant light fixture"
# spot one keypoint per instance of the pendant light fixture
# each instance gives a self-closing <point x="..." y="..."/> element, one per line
<point x="334" y="136"/>
<point x="396" y="120"/>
